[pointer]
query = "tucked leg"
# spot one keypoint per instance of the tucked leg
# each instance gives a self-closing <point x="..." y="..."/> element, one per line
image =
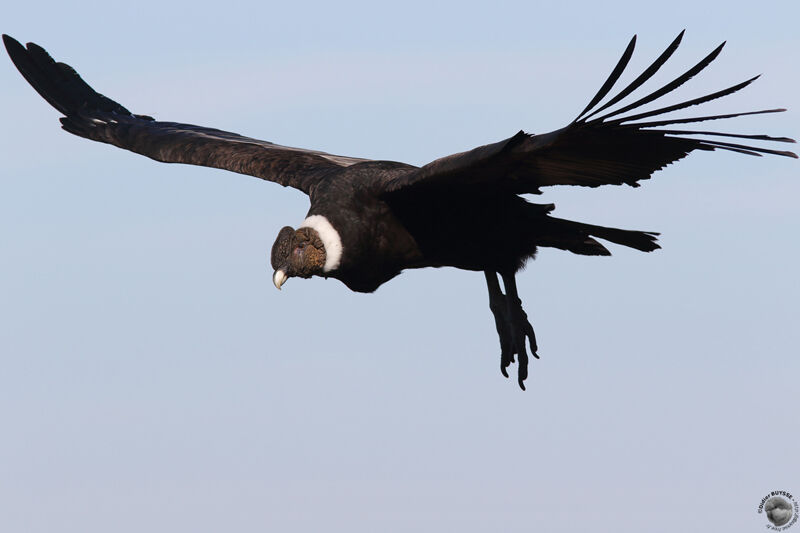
<point x="499" y="307"/>
<point x="520" y="328"/>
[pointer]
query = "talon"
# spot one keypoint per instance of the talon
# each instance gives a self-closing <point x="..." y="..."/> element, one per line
<point x="531" y="338"/>
<point x="522" y="370"/>
<point x="513" y="328"/>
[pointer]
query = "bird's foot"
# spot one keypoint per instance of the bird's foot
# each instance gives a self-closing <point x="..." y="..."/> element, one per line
<point x="521" y="330"/>
<point x="513" y="328"/>
<point x="499" y="309"/>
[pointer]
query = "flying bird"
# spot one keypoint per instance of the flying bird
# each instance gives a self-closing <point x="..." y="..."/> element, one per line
<point x="370" y="220"/>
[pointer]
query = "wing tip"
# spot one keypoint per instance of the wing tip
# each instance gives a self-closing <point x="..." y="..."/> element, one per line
<point x="12" y="45"/>
<point x="611" y="80"/>
<point x="7" y="39"/>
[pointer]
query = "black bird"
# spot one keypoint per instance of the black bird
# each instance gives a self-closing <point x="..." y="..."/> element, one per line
<point x="370" y="220"/>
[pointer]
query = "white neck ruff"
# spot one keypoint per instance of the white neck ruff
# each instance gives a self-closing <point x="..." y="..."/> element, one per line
<point x="330" y="240"/>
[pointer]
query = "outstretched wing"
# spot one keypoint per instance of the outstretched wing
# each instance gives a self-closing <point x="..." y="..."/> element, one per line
<point x="594" y="150"/>
<point x="96" y="117"/>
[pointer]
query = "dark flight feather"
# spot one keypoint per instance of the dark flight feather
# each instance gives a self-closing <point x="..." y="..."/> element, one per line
<point x="687" y="103"/>
<point x="668" y="88"/>
<point x="726" y="145"/>
<point x="737" y="135"/>
<point x="613" y="77"/>
<point x="646" y="75"/>
<point x="656" y="123"/>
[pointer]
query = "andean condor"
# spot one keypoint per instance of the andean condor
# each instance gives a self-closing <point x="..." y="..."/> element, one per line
<point x="370" y="220"/>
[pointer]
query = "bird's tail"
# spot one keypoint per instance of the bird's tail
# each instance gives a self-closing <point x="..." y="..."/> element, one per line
<point x="578" y="237"/>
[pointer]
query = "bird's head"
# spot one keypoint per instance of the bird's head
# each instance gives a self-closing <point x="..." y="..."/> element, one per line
<point x="297" y="253"/>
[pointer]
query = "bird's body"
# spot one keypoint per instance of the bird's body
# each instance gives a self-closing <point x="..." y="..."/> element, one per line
<point x="470" y="230"/>
<point x="370" y="220"/>
<point x="373" y="253"/>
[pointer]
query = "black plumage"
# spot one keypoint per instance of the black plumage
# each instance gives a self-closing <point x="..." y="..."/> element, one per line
<point x="370" y="220"/>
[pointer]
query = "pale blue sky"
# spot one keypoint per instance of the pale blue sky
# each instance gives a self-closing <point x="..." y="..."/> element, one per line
<point x="152" y="379"/>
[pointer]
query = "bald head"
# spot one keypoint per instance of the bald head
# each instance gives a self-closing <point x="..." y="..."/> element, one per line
<point x="297" y="253"/>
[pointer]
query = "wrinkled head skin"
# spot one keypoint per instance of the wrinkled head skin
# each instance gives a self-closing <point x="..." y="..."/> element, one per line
<point x="297" y="253"/>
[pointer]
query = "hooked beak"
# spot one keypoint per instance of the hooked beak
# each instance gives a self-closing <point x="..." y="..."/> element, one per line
<point x="279" y="278"/>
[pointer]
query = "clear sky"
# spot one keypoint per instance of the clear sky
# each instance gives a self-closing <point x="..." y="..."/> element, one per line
<point x="152" y="379"/>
